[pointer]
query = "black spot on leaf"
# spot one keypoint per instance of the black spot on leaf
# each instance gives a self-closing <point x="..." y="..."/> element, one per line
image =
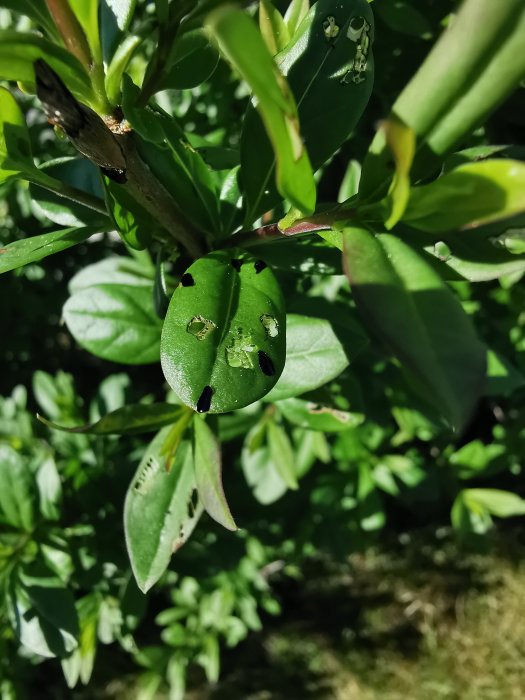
<point x="204" y="402"/>
<point x="236" y="263"/>
<point x="266" y="364"/>
<point x="187" y="280"/>
<point x="259" y="266"/>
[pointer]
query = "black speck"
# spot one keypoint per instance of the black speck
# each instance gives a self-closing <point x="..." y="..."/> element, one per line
<point x="266" y="364"/>
<point x="236" y="263"/>
<point x="187" y="280"/>
<point x="259" y="266"/>
<point x="204" y="402"/>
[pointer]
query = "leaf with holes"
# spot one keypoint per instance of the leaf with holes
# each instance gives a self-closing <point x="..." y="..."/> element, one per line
<point x="115" y="322"/>
<point x="159" y="513"/>
<point x="330" y="69"/>
<point x="224" y="337"/>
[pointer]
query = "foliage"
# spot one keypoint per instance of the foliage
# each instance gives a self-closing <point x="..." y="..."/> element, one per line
<point x="211" y="175"/>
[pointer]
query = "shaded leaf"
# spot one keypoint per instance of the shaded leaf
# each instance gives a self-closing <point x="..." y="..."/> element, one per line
<point x="407" y="304"/>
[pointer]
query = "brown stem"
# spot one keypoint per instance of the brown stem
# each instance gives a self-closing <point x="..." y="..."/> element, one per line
<point x="71" y="31"/>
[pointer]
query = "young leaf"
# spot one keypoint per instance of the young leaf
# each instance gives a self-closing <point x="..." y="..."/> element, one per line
<point x="224" y="336"/>
<point x="314" y="356"/>
<point x="115" y="322"/>
<point x="159" y="514"/>
<point x="328" y="63"/>
<point x="241" y="43"/>
<point x="502" y="504"/>
<point x="282" y="455"/>
<point x="36" y="248"/>
<point x="273" y="27"/>
<point x="402" y="142"/>
<point x="471" y="195"/>
<point x="411" y="309"/>
<point x="296" y="12"/>
<point x="208" y="474"/>
<point x="128" y="420"/>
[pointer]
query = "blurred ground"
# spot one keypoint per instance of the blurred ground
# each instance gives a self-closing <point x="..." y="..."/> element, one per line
<point x="421" y="619"/>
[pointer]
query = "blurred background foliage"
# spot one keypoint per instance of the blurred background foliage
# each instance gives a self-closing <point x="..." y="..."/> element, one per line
<point x="358" y="585"/>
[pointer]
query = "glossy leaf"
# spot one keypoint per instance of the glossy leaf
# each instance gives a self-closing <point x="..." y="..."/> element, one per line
<point x="159" y="515"/>
<point x="132" y="222"/>
<point x="471" y="195"/>
<point x="118" y="65"/>
<point x="323" y="68"/>
<point x="223" y="340"/>
<point x="29" y="250"/>
<point x="123" y="11"/>
<point x="314" y="356"/>
<point x="315" y="416"/>
<point x="112" y="270"/>
<point x="17" y="495"/>
<point x="407" y="304"/>
<point x="18" y="52"/>
<point x="208" y="474"/>
<point x="115" y="322"/>
<point x="15" y="146"/>
<point x="242" y="45"/>
<point x="128" y="420"/>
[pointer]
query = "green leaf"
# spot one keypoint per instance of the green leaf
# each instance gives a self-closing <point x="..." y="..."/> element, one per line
<point x="223" y="341"/>
<point x="314" y="356"/>
<point x="403" y="17"/>
<point x="118" y="65"/>
<point x="191" y="63"/>
<point x="112" y="270"/>
<point x="37" y="248"/>
<point x="502" y="504"/>
<point x="123" y="11"/>
<point x="407" y="304"/>
<point x="128" y="420"/>
<point x="242" y="45"/>
<point x="79" y="666"/>
<point x="35" y="10"/>
<point x="49" y="488"/>
<point x="81" y="174"/>
<point x="281" y="452"/>
<point x="315" y="416"/>
<point x="44" y="617"/>
<point x="331" y="81"/>
<point x="15" y="146"/>
<point x="115" y="322"/>
<point x="259" y="469"/>
<point x="132" y="222"/>
<point x="459" y="84"/>
<point x="296" y="12"/>
<point x="86" y="12"/>
<point x="273" y="27"/>
<point x="208" y="474"/>
<point x="19" y="50"/>
<point x="471" y="195"/>
<point x="17" y="495"/>
<point x="402" y="142"/>
<point x="159" y="515"/>
<point x="503" y="379"/>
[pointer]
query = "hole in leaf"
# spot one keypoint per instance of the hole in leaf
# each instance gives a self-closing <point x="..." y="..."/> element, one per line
<point x="259" y="266"/>
<point x="270" y="325"/>
<point x="201" y="327"/>
<point x="266" y="364"/>
<point x="187" y="280"/>
<point x="204" y="402"/>
<point x="240" y="351"/>
<point x="236" y="263"/>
